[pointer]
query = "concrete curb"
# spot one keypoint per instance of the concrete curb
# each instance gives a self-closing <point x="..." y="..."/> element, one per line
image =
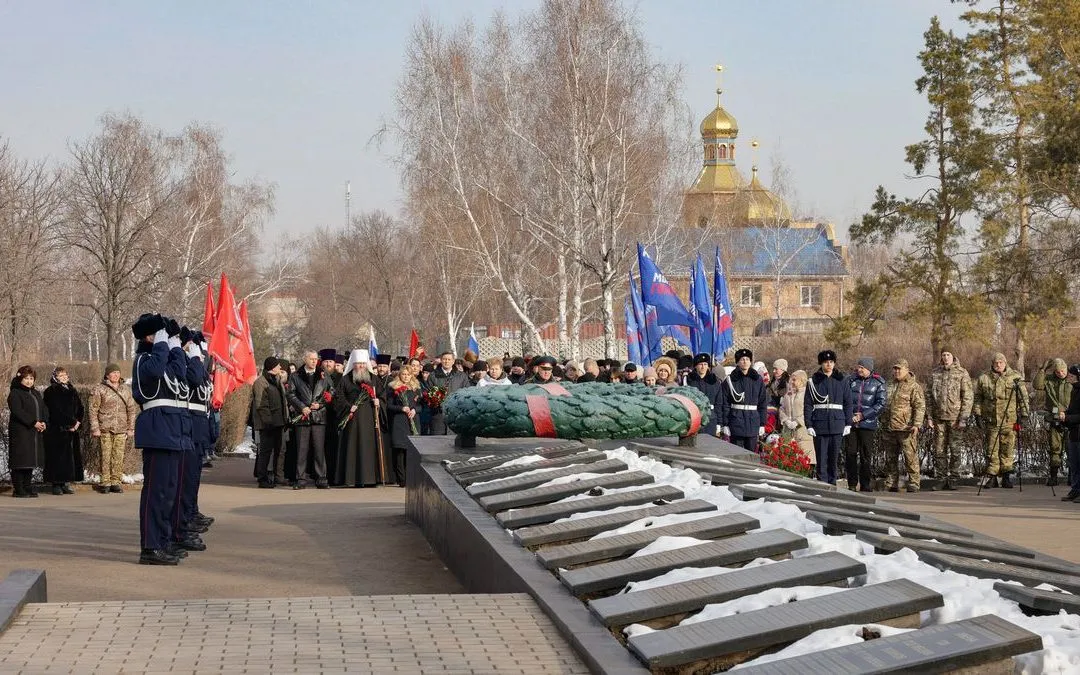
<point x="19" y="588"/>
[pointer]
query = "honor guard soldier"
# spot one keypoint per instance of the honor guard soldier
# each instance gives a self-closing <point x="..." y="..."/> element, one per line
<point x="828" y="411"/>
<point x="186" y="526"/>
<point x="162" y="430"/>
<point x="744" y="403"/>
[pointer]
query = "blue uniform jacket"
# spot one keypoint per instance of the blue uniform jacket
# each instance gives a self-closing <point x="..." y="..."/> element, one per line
<point x="744" y="403"/>
<point x="868" y="398"/>
<point x="199" y="382"/>
<point x="160" y="373"/>
<point x="827" y="405"/>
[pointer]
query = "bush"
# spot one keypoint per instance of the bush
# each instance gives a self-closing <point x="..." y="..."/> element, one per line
<point x="235" y="412"/>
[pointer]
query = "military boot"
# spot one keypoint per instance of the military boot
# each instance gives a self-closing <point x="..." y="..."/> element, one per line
<point x="1052" y="481"/>
<point x="990" y="482"/>
<point x="1006" y="480"/>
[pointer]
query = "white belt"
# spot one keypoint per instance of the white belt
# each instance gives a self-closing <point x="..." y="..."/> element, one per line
<point x="165" y="403"/>
<point x="828" y="406"/>
<point x="197" y="407"/>
<point x="738" y="406"/>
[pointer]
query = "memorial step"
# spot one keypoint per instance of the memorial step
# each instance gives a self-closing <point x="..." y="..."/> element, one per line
<point x="991" y="570"/>
<point x="547" y="513"/>
<point x="982" y="644"/>
<point x="553" y="493"/>
<point x="888" y="544"/>
<point x="579" y="529"/>
<point x="516" y="483"/>
<point x="718" y="644"/>
<point x="622" y="545"/>
<point x="676" y="600"/>
<point x="515" y="469"/>
<point x="725" y="552"/>
<point x="726" y="478"/>
<point x="857" y="511"/>
<point x="504" y="455"/>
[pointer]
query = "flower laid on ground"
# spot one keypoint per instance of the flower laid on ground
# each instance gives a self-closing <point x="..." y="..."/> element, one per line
<point x="784" y="453"/>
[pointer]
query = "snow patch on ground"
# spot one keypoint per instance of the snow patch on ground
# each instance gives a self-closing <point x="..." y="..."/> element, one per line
<point x="129" y="479"/>
<point x="964" y="596"/>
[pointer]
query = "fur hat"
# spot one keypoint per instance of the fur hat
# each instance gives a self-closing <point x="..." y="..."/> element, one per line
<point x="147" y="324"/>
<point x="739" y="353"/>
<point x="826" y="355"/>
<point x="517" y="362"/>
<point x="703" y="358"/>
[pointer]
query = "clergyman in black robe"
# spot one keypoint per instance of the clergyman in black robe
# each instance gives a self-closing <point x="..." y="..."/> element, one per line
<point x="358" y="453"/>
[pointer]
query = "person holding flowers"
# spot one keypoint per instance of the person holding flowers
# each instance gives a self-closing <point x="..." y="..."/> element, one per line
<point x="401" y="396"/>
<point x="792" y="415"/>
<point x="358" y="451"/>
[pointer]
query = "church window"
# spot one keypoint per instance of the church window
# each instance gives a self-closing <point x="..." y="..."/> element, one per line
<point x="723" y="152"/>
<point x="810" y="296"/>
<point x="731" y="151"/>
<point x="750" y="295"/>
<point x="710" y="152"/>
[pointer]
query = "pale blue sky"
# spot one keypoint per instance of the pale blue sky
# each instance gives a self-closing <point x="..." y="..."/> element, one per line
<point x="299" y="87"/>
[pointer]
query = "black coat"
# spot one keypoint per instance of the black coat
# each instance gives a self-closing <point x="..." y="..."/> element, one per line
<point x="400" y="427"/>
<point x="827" y="407"/>
<point x="1072" y="414"/>
<point x="744" y="403"/>
<point x="63" y="459"/>
<point x="357" y="462"/>
<point x="307" y="389"/>
<point x="451" y="382"/>
<point x="26" y="446"/>
<point x="710" y="387"/>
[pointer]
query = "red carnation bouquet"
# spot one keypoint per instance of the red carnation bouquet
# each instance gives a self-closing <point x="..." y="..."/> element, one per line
<point x="433" y="397"/>
<point x="367" y="393"/>
<point x="785" y="453"/>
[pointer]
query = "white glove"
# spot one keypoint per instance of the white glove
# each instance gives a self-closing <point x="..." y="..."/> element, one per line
<point x="205" y="347"/>
<point x="761" y="431"/>
<point x="791" y="424"/>
<point x="727" y="431"/>
<point x="193" y="351"/>
<point x="847" y="430"/>
<point x="161" y="336"/>
<point x="813" y="434"/>
<point x="174" y="342"/>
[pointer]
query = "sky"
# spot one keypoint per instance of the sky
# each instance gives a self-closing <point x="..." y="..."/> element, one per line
<point x="300" y="87"/>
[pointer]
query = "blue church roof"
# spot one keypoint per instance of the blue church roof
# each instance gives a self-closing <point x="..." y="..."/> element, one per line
<point x="765" y="251"/>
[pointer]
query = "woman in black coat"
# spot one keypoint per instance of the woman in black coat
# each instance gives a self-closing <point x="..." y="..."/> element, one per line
<point x="402" y="396"/>
<point x="26" y="448"/>
<point x="63" y="459"/>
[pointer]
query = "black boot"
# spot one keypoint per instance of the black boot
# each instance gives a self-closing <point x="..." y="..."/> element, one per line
<point x="192" y="542"/>
<point x="175" y="551"/>
<point x="57" y="489"/>
<point x="150" y="556"/>
<point x="67" y="489"/>
<point x="1073" y="494"/>
<point x="1052" y="481"/>
<point x="991" y="482"/>
<point x="1006" y="480"/>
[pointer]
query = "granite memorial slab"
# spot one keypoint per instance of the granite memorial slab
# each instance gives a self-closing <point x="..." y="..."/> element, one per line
<point x="491" y="458"/>
<point x="992" y="570"/>
<point x="547" y="513"/>
<point x="507" y="471"/>
<point x="983" y="644"/>
<point x="579" y="529"/>
<point x="883" y="543"/>
<point x="515" y="483"/>
<point x="726" y="478"/>
<point x="553" y="493"/>
<point x="621" y="545"/>
<point x="750" y="492"/>
<point x="718" y="644"/>
<point x="676" y="600"/>
<point x="857" y="511"/>
<point x="1038" y="601"/>
<point x="725" y="552"/>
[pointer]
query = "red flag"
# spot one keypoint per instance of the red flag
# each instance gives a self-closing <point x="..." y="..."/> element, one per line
<point x="223" y="385"/>
<point x="245" y="353"/>
<point x="416" y="349"/>
<point x="209" y="315"/>
<point x="226" y="330"/>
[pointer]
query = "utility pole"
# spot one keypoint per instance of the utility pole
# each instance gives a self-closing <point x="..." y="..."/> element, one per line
<point x="348" y="203"/>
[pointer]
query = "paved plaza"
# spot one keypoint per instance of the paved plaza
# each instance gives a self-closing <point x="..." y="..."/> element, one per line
<point x="322" y="581"/>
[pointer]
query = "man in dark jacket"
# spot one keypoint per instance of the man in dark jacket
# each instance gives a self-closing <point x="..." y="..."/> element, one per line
<point x="704" y="381"/>
<point x="517" y="370"/>
<point x="545" y="370"/>
<point x="270" y="418"/>
<point x="867" y="401"/>
<point x="450" y="379"/>
<point x="592" y="372"/>
<point x="309" y="388"/>
<point x="744" y="403"/>
<point x="828" y="411"/>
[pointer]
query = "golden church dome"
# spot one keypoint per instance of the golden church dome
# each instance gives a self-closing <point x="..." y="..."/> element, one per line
<point x="719" y="123"/>
<point x="762" y="205"/>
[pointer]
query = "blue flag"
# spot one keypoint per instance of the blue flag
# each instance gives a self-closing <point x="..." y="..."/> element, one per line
<point x="723" y="319"/>
<point x="701" y="305"/>
<point x="648" y="337"/>
<point x="633" y="338"/>
<point x="656" y="291"/>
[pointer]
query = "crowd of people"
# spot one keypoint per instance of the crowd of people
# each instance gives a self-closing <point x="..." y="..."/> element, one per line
<point x="353" y="415"/>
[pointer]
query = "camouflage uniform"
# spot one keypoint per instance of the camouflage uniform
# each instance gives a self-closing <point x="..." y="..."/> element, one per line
<point x="999" y="400"/>
<point x="1056" y="392"/>
<point x="904" y="414"/>
<point x="948" y="403"/>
